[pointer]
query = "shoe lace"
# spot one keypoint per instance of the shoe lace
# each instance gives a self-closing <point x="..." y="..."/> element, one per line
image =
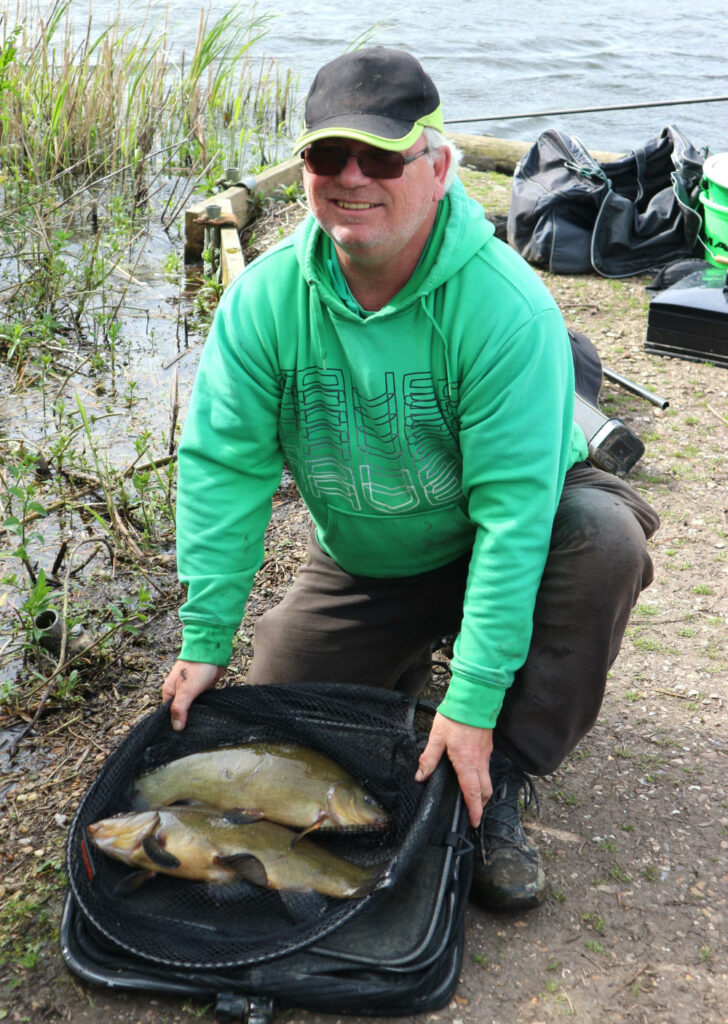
<point x="501" y="821"/>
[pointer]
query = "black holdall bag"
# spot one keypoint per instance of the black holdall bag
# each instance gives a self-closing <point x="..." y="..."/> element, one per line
<point x="251" y="950"/>
<point x="574" y="215"/>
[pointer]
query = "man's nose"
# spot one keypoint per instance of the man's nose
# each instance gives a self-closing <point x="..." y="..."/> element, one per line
<point x="351" y="172"/>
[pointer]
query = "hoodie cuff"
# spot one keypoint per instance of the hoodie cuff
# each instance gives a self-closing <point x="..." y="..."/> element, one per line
<point x="209" y="644"/>
<point x="472" y="703"/>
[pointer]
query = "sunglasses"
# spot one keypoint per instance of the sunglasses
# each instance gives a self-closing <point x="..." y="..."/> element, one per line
<point x="374" y="163"/>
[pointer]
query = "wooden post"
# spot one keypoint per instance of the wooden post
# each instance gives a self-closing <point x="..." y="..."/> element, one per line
<point x="232" y="201"/>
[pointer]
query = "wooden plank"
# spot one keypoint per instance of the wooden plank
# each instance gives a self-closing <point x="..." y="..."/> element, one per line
<point x="232" y="261"/>
<point x="284" y="174"/>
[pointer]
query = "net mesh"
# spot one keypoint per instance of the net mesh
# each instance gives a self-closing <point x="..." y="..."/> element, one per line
<point x="377" y="735"/>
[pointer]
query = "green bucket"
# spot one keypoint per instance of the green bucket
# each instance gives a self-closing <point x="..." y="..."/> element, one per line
<point x="715" y="231"/>
<point x="715" y="178"/>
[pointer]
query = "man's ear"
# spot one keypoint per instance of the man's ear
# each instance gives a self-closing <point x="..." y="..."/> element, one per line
<point x="441" y="165"/>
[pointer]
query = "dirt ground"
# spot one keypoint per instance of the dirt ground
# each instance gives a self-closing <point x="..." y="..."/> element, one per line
<point x="633" y="826"/>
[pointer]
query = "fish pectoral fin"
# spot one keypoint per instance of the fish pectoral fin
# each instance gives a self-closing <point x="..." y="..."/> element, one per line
<point x="158" y="855"/>
<point x="132" y="882"/>
<point x="245" y="865"/>
<point x="242" y="816"/>
<point x="311" y="828"/>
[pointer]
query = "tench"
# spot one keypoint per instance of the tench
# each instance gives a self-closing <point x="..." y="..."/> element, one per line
<point x="206" y="846"/>
<point x="285" y="783"/>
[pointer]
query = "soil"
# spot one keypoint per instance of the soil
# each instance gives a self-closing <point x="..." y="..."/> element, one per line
<point x="633" y="827"/>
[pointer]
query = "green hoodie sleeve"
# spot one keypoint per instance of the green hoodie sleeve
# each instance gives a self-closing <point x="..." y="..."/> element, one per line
<point x="230" y="464"/>
<point x="516" y="441"/>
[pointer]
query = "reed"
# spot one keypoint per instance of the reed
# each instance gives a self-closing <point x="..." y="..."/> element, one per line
<point x="102" y="133"/>
<point x="81" y="109"/>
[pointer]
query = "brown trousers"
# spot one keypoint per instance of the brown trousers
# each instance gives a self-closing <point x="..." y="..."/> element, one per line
<point x="335" y="627"/>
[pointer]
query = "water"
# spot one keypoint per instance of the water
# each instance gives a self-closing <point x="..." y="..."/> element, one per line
<point x="491" y="58"/>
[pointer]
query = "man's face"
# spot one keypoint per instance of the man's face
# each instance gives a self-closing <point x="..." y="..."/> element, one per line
<point x="372" y="220"/>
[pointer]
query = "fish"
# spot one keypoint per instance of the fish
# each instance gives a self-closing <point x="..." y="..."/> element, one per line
<point x="284" y="783"/>
<point x="206" y="846"/>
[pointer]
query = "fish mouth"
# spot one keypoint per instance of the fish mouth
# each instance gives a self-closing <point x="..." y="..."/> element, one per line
<point x="123" y="833"/>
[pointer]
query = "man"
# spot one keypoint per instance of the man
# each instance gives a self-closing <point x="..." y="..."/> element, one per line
<point x="416" y="377"/>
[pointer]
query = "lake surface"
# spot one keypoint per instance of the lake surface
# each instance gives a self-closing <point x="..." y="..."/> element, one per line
<point x="491" y="58"/>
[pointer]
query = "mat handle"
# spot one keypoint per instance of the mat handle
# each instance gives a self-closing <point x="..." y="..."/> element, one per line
<point x="234" y="1008"/>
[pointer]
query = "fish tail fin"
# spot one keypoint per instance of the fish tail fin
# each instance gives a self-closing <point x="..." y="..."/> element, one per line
<point x="378" y="878"/>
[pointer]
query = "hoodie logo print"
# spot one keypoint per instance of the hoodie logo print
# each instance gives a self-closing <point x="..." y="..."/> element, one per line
<point x="391" y="451"/>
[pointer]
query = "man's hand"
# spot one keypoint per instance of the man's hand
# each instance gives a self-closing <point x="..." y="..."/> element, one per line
<point x="187" y="680"/>
<point x="469" y="749"/>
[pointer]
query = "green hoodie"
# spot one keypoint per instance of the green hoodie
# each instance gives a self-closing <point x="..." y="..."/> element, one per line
<point x="438" y="424"/>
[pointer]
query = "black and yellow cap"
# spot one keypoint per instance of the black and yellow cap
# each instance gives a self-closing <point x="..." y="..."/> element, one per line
<point x="377" y="95"/>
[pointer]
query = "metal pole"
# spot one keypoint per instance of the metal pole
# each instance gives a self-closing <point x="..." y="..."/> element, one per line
<point x="590" y="110"/>
<point x="635" y="389"/>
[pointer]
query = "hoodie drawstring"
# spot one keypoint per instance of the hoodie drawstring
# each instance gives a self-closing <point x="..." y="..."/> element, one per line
<point x="449" y="411"/>
<point x="317" y="321"/>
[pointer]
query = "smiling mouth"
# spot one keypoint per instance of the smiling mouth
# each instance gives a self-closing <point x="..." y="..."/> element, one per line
<point x="354" y="206"/>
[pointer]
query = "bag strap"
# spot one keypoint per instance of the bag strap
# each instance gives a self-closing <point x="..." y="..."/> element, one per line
<point x="641" y="160"/>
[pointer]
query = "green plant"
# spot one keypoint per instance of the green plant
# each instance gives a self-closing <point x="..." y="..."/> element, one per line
<point x="172" y="266"/>
<point x="292" y="192"/>
<point x="594" y="920"/>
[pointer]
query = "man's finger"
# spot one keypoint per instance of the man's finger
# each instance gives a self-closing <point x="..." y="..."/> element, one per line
<point x="178" y="711"/>
<point x="476" y="792"/>
<point x="429" y="758"/>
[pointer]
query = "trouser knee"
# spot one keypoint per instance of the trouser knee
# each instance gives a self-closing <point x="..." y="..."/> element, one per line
<point x="597" y="565"/>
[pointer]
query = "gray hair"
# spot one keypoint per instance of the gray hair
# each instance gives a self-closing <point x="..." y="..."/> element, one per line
<point x="436" y="140"/>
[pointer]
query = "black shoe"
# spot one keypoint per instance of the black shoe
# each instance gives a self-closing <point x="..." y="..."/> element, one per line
<point x="508" y="873"/>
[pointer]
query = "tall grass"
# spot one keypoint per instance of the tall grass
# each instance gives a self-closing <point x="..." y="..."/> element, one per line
<point x="76" y="110"/>
<point x="102" y="133"/>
